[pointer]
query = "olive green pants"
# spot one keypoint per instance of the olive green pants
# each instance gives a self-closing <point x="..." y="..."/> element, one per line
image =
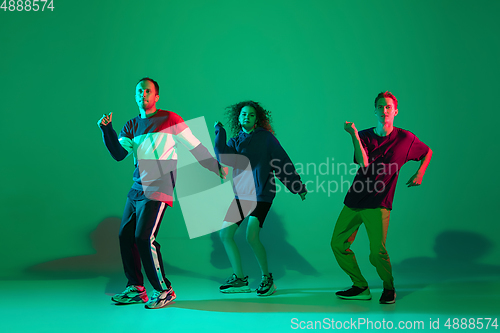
<point x="376" y="223"/>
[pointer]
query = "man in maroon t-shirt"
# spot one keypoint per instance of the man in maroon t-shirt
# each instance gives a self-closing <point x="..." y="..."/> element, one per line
<point x="381" y="151"/>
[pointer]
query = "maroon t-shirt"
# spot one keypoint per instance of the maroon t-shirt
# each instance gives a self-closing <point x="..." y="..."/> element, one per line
<point x="374" y="186"/>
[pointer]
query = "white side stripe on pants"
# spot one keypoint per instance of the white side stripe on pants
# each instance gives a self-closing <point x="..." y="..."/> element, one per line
<point x="154" y="254"/>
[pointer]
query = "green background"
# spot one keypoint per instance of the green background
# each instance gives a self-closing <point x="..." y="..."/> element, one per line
<point x="314" y="64"/>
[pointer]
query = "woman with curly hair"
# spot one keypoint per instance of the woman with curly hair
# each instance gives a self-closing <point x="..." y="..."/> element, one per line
<point x="256" y="157"/>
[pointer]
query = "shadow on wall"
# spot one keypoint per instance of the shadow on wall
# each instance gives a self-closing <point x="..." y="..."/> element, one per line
<point x="106" y="261"/>
<point x="457" y="259"/>
<point x="282" y="256"/>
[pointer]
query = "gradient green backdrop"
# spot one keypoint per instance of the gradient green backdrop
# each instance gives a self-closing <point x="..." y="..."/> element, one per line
<point x="314" y="64"/>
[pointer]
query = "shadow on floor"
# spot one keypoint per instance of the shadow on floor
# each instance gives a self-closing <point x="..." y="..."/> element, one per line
<point x="284" y="300"/>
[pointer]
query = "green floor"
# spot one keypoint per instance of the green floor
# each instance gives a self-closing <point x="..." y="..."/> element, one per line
<point x="300" y="303"/>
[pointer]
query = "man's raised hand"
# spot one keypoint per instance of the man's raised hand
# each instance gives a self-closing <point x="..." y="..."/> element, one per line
<point x="350" y="128"/>
<point x="105" y="119"/>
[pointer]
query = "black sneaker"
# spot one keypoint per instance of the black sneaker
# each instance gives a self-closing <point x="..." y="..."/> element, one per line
<point x="388" y="296"/>
<point x="131" y="294"/>
<point x="355" y="293"/>
<point x="235" y="285"/>
<point x="266" y="286"/>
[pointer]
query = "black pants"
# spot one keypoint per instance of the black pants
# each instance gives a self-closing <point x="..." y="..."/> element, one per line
<point x="140" y="224"/>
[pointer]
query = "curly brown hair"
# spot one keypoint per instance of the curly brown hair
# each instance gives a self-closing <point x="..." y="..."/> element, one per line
<point x="263" y="116"/>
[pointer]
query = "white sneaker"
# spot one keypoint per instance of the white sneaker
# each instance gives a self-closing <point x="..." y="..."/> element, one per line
<point x="160" y="299"/>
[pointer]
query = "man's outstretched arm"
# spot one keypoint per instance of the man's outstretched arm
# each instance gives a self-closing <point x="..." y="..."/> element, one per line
<point x="200" y="152"/>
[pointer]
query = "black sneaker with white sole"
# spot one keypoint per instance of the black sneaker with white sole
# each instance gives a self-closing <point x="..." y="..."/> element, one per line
<point x="355" y="293"/>
<point x="235" y="285"/>
<point x="388" y="296"/>
<point x="266" y="286"/>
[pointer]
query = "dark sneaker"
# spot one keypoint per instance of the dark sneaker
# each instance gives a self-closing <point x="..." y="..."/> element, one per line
<point x="388" y="296"/>
<point x="235" y="285"/>
<point x="160" y="299"/>
<point x="131" y="294"/>
<point x="355" y="293"/>
<point x="266" y="286"/>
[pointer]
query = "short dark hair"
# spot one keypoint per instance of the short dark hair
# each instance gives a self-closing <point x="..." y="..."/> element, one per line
<point x="386" y="94"/>
<point x="157" y="87"/>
